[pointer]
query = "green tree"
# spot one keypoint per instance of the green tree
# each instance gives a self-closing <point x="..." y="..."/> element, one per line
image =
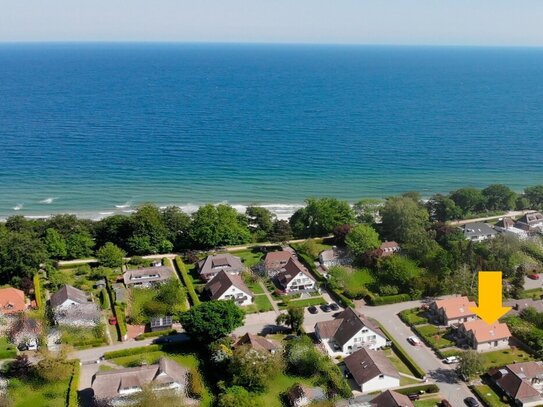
<point x="219" y="225"/>
<point x="53" y="368"/>
<point x="147" y="223"/>
<point x="20" y="257"/>
<point x="399" y="271"/>
<point x="79" y="245"/>
<point x="55" y="244"/>
<point x="260" y="219"/>
<point x="320" y="217"/>
<point x="177" y="223"/>
<point x="252" y="368"/>
<point x="517" y="283"/>
<point x="499" y="197"/>
<point x="470" y="200"/>
<point x="301" y="357"/>
<point x="367" y="210"/>
<point x="361" y="239"/>
<point x="534" y="195"/>
<point x="470" y="364"/>
<point x="110" y="255"/>
<point x="115" y="229"/>
<point x="212" y="320"/>
<point x="294" y="318"/>
<point x="141" y="245"/>
<point x="236" y="396"/>
<point x="442" y="208"/>
<point x="281" y="232"/>
<point x="403" y="219"/>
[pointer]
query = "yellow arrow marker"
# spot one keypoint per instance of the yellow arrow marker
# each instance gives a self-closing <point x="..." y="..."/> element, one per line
<point x="490" y="307"/>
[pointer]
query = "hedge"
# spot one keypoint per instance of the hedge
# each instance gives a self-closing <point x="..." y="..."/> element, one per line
<point x="405" y="358"/>
<point x="492" y="400"/>
<point x="427" y="388"/>
<point x="389" y="299"/>
<point x="410" y="317"/>
<point x="90" y="343"/>
<point x="121" y="321"/>
<point x="196" y="385"/>
<point x="37" y="291"/>
<point x="130" y="352"/>
<point x="187" y="281"/>
<point x="104" y="299"/>
<point x="143" y="336"/>
<point x="10" y="353"/>
<point x="73" y="399"/>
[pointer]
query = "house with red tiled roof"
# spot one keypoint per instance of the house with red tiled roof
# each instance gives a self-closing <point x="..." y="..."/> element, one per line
<point x="484" y="337"/>
<point x="521" y="382"/>
<point x="452" y="311"/>
<point x="275" y="262"/>
<point x="390" y="398"/>
<point x="12" y="301"/>
<point x="372" y="370"/>
<point x="226" y="286"/>
<point x="295" y="278"/>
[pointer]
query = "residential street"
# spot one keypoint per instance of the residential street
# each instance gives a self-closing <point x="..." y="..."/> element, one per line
<point x="451" y="387"/>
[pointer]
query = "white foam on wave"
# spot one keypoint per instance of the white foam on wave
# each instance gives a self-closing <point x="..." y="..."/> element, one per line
<point x="18" y="207"/>
<point x="125" y="205"/>
<point x="48" y="201"/>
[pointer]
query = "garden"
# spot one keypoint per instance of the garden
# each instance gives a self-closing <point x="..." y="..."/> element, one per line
<point x="435" y="337"/>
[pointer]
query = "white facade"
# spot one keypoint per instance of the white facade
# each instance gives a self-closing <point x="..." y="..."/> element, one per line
<point x="492" y="345"/>
<point x="513" y="231"/>
<point x="301" y="282"/>
<point x="380" y="383"/>
<point x="234" y="293"/>
<point x="365" y="338"/>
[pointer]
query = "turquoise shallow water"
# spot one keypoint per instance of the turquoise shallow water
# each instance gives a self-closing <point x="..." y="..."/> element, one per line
<point x="99" y="128"/>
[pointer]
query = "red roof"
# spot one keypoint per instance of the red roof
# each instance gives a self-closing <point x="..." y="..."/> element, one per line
<point x="12" y="301"/>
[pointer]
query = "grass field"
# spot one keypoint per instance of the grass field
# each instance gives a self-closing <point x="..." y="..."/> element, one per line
<point x="433" y="402"/>
<point x="34" y="393"/>
<point x="503" y="357"/>
<point x="489" y="396"/>
<point x="278" y="385"/>
<point x="255" y="287"/>
<point x="303" y="303"/>
<point x="434" y="336"/>
<point x="7" y="350"/>
<point x="261" y="304"/>
<point x="413" y="316"/>
<point x="249" y="257"/>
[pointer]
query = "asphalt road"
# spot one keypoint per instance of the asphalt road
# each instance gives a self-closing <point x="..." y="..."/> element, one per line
<point x="443" y="375"/>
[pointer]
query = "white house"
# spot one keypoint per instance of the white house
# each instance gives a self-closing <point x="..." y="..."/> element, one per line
<point x="478" y="231"/>
<point x="372" y="371"/>
<point x="349" y="332"/>
<point x="508" y="227"/>
<point x="484" y="337"/>
<point x="226" y="286"/>
<point x="295" y="278"/>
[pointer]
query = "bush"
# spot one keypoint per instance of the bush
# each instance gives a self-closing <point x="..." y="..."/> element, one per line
<point x="405" y="358"/>
<point x="411" y="317"/>
<point x="74" y="386"/>
<point x="187" y="281"/>
<point x="131" y="352"/>
<point x="121" y="321"/>
<point x="196" y="385"/>
<point x="37" y="291"/>
<point x="390" y="299"/>
<point x="427" y="388"/>
<point x="143" y="336"/>
<point x="104" y="299"/>
<point x="8" y="353"/>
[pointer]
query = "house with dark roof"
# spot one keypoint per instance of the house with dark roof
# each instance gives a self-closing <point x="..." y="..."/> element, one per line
<point x="521" y="382"/>
<point x="348" y="332"/>
<point x="371" y="370"/>
<point x="530" y="222"/>
<point x="391" y="398"/>
<point x="120" y="386"/>
<point x="72" y="307"/>
<point x="452" y="311"/>
<point x="335" y="256"/>
<point x="147" y="276"/>
<point x="295" y="278"/>
<point x="478" y="231"/>
<point x="256" y="342"/>
<point x="484" y="337"/>
<point x="212" y="265"/>
<point x="226" y="286"/>
<point x="275" y="262"/>
<point x="507" y="226"/>
<point x="300" y="395"/>
<point x="12" y="302"/>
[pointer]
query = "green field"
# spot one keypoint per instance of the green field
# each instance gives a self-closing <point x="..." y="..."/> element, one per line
<point x="33" y="393"/>
<point x="413" y="316"/>
<point x="302" y="303"/>
<point x="434" y="336"/>
<point x="249" y="257"/>
<point x="7" y="350"/>
<point x="278" y="385"/>
<point x="489" y="397"/>
<point x="433" y="402"/>
<point x="504" y="357"/>
<point x="261" y="304"/>
<point x="401" y="367"/>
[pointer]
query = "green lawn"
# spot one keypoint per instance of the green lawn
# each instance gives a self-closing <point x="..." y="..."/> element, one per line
<point x="535" y="293"/>
<point x="255" y="287"/>
<point x="434" y="336"/>
<point x="261" y="304"/>
<point x="277" y="385"/>
<point x="413" y="316"/>
<point x="503" y="357"/>
<point x="7" y="350"/>
<point x="433" y="402"/>
<point x="138" y="298"/>
<point x="303" y="303"/>
<point x="249" y="257"/>
<point x="33" y="393"/>
<point x="188" y="360"/>
<point x="84" y="337"/>
<point x="489" y="396"/>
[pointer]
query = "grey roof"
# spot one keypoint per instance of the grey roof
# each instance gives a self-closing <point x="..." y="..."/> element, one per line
<point x="161" y="321"/>
<point x="476" y="229"/>
<point x="107" y="385"/>
<point x="147" y="275"/>
<point x="365" y="364"/>
<point x="531" y="218"/>
<point x="67" y="292"/>
<point x="218" y="262"/>
<point x="298" y="391"/>
<point x="223" y="281"/>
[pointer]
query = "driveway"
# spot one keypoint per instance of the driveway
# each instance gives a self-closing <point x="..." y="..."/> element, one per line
<point x="530" y="284"/>
<point x="443" y="375"/>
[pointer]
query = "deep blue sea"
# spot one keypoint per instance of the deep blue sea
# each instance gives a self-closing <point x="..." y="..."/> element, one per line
<point x="99" y="128"/>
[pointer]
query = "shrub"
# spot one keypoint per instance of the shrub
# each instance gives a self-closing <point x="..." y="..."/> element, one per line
<point x="104" y="299"/>
<point x="390" y="299"/>
<point x="187" y="281"/>
<point x="196" y="385"/>
<point x="121" y="321"/>
<point x="427" y="388"/>
<point x="411" y="317"/>
<point x="131" y="352"/>
<point x="37" y="291"/>
<point x="74" y="386"/>
<point x="143" y="336"/>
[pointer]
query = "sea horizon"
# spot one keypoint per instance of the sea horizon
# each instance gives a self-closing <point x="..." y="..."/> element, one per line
<point x="90" y="128"/>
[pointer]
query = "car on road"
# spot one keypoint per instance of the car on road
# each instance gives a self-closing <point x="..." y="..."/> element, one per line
<point x="451" y="359"/>
<point x="471" y="402"/>
<point x="534" y="276"/>
<point x="313" y="310"/>
<point x="413" y="340"/>
<point x="326" y="308"/>
<point x="333" y="306"/>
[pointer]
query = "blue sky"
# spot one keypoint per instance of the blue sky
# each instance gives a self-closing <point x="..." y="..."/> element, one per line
<point x="428" y="22"/>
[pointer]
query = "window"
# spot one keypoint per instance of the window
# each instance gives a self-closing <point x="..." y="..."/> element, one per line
<point x="381" y="376"/>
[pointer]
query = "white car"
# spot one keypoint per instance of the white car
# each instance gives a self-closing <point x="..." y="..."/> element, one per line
<point x="451" y="359"/>
<point x="413" y="340"/>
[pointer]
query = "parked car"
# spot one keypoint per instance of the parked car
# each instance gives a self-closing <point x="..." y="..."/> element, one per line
<point x="326" y="308"/>
<point x="534" y="276"/>
<point x="333" y="306"/>
<point x="413" y="340"/>
<point x="445" y="403"/>
<point x="451" y="359"/>
<point x="312" y="309"/>
<point x="471" y="402"/>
